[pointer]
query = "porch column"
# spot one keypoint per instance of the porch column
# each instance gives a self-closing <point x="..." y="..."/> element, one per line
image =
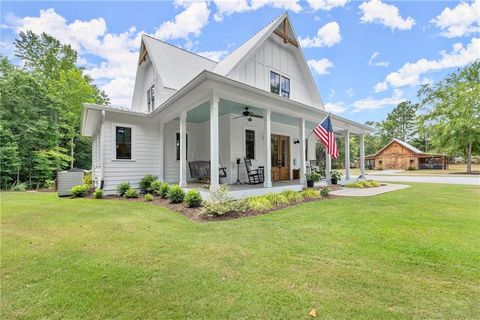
<point x="362" y="156"/>
<point x="267" y="167"/>
<point x="347" y="155"/>
<point x="183" y="149"/>
<point x="328" y="166"/>
<point x="161" y="128"/>
<point x="214" y="154"/>
<point x="303" y="168"/>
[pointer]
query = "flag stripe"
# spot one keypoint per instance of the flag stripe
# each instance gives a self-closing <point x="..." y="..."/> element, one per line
<point x="325" y="134"/>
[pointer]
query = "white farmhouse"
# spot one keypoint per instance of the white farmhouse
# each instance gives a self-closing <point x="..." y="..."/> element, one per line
<point x="190" y="114"/>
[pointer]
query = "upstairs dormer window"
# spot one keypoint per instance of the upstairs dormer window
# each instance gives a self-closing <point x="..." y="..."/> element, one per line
<point x="279" y="84"/>
<point x="151" y="98"/>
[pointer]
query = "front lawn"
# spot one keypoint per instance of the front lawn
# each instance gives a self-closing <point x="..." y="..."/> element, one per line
<point x="413" y="253"/>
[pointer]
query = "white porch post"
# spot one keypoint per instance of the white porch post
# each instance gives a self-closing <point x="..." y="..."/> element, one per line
<point x="161" y="128"/>
<point x="347" y="155"/>
<point x="328" y="166"/>
<point x="267" y="167"/>
<point x="303" y="168"/>
<point x="214" y="154"/>
<point x="183" y="149"/>
<point x="362" y="156"/>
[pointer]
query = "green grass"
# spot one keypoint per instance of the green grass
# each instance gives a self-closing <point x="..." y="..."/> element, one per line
<point x="413" y="253"/>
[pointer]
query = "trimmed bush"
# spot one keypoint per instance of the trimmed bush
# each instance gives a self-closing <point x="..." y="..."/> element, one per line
<point x="363" y="184"/>
<point x="79" y="191"/>
<point x="146" y="183"/>
<point x="221" y="203"/>
<point x="98" y="193"/>
<point x="310" y="193"/>
<point x="276" y="199"/>
<point x="325" y="192"/>
<point x="148" y="197"/>
<point x="164" y="188"/>
<point x="193" y="199"/>
<point x="156" y="187"/>
<point x="258" y="203"/>
<point x="292" y="196"/>
<point x="122" y="188"/>
<point x="131" y="193"/>
<point x="87" y="179"/>
<point x="176" y="194"/>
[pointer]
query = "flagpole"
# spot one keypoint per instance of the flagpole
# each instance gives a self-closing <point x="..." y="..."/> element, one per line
<point x="320" y="122"/>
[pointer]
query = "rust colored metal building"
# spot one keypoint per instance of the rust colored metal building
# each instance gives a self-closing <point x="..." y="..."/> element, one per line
<point x="398" y="154"/>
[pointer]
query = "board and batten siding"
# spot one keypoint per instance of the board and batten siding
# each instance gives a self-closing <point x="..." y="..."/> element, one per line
<point x="275" y="56"/>
<point x="96" y="160"/>
<point x="145" y="152"/>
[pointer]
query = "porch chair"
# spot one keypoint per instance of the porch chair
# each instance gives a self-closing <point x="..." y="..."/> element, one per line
<point x="200" y="170"/>
<point x="255" y="176"/>
<point x="314" y="166"/>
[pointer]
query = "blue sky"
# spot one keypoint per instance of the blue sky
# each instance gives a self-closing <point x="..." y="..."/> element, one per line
<point x="366" y="56"/>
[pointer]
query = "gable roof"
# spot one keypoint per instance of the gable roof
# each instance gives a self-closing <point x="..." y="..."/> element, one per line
<point x="402" y="143"/>
<point x="175" y="66"/>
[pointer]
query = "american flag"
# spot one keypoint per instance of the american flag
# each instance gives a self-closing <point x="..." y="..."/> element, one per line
<point x="324" y="132"/>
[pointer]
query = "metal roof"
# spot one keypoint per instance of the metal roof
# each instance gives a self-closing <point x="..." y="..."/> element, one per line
<point x="175" y="65"/>
<point x="234" y="58"/>
<point x="403" y="143"/>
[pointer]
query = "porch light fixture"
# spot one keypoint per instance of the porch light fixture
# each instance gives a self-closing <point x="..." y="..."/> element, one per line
<point x="296" y="141"/>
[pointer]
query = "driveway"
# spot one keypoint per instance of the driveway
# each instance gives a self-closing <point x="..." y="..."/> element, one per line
<point x="456" y="179"/>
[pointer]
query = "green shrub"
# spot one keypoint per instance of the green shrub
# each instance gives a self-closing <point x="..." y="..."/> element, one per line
<point x="276" y="199"/>
<point x="325" y="191"/>
<point x="313" y="176"/>
<point x="310" y="193"/>
<point x="22" y="186"/>
<point x="79" y="191"/>
<point x="292" y="196"/>
<point x="87" y="179"/>
<point x="176" y="194"/>
<point x="259" y="203"/>
<point x="131" y="193"/>
<point x="354" y="185"/>
<point x="156" y="187"/>
<point x="49" y="184"/>
<point x="193" y="199"/>
<point x="412" y="168"/>
<point x="363" y="184"/>
<point x="98" y="193"/>
<point x="164" y="188"/>
<point x="148" y="197"/>
<point x="221" y="203"/>
<point x="146" y="183"/>
<point x="122" y="188"/>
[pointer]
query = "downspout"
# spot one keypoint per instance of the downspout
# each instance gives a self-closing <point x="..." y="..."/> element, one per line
<point x="102" y="122"/>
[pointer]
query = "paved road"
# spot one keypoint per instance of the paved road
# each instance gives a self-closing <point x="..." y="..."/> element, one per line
<point x="457" y="179"/>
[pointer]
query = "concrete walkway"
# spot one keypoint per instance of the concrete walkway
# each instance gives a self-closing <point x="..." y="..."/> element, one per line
<point x="457" y="179"/>
<point x="368" y="192"/>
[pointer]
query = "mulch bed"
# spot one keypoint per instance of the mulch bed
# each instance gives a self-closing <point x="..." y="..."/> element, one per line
<point x="195" y="213"/>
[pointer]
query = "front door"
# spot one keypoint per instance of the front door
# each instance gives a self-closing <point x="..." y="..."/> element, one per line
<point x="280" y="157"/>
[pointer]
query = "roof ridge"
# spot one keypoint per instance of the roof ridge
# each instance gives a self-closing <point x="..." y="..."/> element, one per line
<point x="180" y="48"/>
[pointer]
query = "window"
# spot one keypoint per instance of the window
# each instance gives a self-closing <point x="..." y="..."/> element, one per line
<point x="177" y="144"/>
<point x="249" y="144"/>
<point x="306" y="149"/>
<point x="151" y="98"/>
<point x="279" y="84"/>
<point x="274" y="82"/>
<point x="285" y="87"/>
<point x="124" y="142"/>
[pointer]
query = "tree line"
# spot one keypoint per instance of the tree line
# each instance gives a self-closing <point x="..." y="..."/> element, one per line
<point x="40" y="108"/>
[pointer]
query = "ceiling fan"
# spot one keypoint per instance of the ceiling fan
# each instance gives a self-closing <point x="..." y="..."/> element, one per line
<point x="248" y="114"/>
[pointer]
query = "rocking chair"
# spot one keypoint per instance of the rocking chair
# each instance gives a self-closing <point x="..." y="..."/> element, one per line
<point x="255" y="176"/>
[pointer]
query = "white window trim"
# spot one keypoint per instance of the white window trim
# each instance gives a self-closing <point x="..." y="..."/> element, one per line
<point x="270" y="70"/>
<point x="114" y="140"/>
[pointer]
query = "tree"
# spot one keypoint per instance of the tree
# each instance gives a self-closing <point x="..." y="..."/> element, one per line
<point x="451" y="109"/>
<point x="9" y="157"/>
<point x="400" y="123"/>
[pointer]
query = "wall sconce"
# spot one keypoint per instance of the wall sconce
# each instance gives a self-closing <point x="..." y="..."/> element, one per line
<point x="296" y="141"/>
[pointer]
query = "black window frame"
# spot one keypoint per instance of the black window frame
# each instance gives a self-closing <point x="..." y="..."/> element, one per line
<point x="250" y="144"/>
<point x="273" y="89"/>
<point x="306" y="149"/>
<point x="151" y="98"/>
<point x="128" y="155"/>
<point x="177" y="146"/>
<point x="284" y="93"/>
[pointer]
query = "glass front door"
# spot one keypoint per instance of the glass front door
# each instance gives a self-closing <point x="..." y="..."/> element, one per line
<point x="280" y="157"/>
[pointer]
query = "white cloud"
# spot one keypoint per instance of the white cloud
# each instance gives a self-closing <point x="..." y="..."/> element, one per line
<point x="291" y="5"/>
<point x="380" y="87"/>
<point x="228" y="7"/>
<point x="335" y="107"/>
<point x="320" y="66"/>
<point x="190" y="21"/>
<point x="410" y="73"/>
<point x="350" y="92"/>
<point x="327" y="36"/>
<point x="214" y="55"/>
<point x="372" y="61"/>
<point x="326" y="5"/>
<point x="375" y="11"/>
<point x="460" y="21"/>
<point x="372" y="104"/>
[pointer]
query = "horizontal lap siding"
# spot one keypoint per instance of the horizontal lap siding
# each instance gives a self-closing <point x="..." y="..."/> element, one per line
<point x="145" y="151"/>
